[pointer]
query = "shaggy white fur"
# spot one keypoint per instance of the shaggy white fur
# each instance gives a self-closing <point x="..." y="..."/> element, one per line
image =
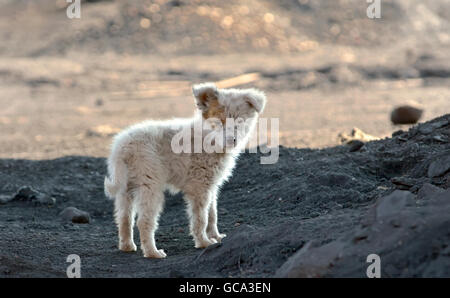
<point x="143" y="164"/>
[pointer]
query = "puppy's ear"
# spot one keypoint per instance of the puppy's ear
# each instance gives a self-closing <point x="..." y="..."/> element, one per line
<point x="204" y="95"/>
<point x="256" y="99"/>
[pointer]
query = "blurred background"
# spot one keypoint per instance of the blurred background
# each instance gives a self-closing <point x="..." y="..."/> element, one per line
<point x="67" y="85"/>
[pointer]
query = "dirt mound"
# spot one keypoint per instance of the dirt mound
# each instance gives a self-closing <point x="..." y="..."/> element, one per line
<point x="313" y="213"/>
<point x="206" y="27"/>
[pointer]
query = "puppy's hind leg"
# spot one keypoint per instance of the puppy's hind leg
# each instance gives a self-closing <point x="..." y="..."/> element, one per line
<point x="124" y="214"/>
<point x="150" y="200"/>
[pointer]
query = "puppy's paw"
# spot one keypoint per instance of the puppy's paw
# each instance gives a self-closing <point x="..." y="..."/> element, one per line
<point x="158" y="254"/>
<point x="217" y="237"/>
<point x="204" y="243"/>
<point x="127" y="246"/>
<point x="220" y="237"/>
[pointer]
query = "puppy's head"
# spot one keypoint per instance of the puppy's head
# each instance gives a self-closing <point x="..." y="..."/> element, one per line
<point x="229" y="107"/>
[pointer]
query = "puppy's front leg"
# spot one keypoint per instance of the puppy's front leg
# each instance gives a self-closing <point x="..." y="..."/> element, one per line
<point x="211" y="230"/>
<point x="198" y="213"/>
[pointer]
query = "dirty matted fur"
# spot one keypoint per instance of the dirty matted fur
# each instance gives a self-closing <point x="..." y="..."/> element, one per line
<point x="143" y="164"/>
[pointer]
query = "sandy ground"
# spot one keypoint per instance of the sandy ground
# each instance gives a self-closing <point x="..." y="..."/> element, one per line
<point x="77" y="109"/>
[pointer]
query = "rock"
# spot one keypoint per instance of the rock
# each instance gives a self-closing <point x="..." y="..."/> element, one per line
<point x="447" y="183"/>
<point x="403" y="183"/>
<point x="435" y="67"/>
<point x="344" y="74"/>
<point x="46" y="200"/>
<point x="440" y="138"/>
<point x="441" y="198"/>
<point x="27" y="193"/>
<point x="4" y="199"/>
<point x="426" y="129"/>
<point x="356" y="135"/>
<point x="355" y="145"/>
<point x="394" y="203"/>
<point x="428" y="190"/>
<point x="102" y="131"/>
<point x="440" y="123"/>
<point x="310" y="261"/>
<point x="99" y="102"/>
<point x="439" y="166"/>
<point x="406" y="115"/>
<point x="397" y="133"/>
<point x="360" y="234"/>
<point x="408" y="73"/>
<point x="75" y="215"/>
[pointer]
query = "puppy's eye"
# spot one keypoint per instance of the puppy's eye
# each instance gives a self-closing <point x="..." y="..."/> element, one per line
<point x="250" y="105"/>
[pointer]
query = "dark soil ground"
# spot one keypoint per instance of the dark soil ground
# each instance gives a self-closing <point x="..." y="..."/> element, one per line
<point x="314" y="213"/>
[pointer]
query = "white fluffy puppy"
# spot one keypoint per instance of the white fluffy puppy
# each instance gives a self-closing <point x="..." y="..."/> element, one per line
<point x="145" y="161"/>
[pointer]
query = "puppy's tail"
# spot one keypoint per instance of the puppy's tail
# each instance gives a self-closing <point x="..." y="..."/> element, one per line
<point x="118" y="177"/>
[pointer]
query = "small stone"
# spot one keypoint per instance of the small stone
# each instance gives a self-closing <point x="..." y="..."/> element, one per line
<point x="311" y="261"/>
<point x="360" y="235"/>
<point x="45" y="199"/>
<point x="356" y="134"/>
<point x="397" y="133"/>
<point x="395" y="222"/>
<point x="440" y="138"/>
<point x="426" y="129"/>
<point x="406" y="115"/>
<point x="403" y="182"/>
<point x="27" y="193"/>
<point x="439" y="167"/>
<point x="5" y="199"/>
<point x="75" y="215"/>
<point x="344" y="74"/>
<point x="427" y="190"/>
<point x="439" y="124"/>
<point x="447" y="183"/>
<point x="355" y="145"/>
<point x="99" y="102"/>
